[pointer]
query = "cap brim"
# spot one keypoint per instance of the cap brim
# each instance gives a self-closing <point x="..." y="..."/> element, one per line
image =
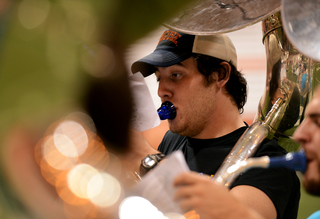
<point x="159" y="58"/>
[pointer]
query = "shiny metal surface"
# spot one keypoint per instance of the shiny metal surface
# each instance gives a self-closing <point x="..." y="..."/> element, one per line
<point x="291" y="76"/>
<point x="249" y="142"/>
<point x="291" y="79"/>
<point x="301" y="22"/>
<point x="245" y="147"/>
<point x="230" y="174"/>
<point x="214" y="16"/>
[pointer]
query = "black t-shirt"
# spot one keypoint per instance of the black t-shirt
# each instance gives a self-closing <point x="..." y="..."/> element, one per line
<point x="206" y="156"/>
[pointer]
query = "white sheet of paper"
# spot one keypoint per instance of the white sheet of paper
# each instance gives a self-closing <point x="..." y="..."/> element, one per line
<point x="157" y="185"/>
<point x="144" y="114"/>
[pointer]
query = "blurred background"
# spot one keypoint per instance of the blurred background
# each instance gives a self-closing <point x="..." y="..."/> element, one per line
<point x="65" y="103"/>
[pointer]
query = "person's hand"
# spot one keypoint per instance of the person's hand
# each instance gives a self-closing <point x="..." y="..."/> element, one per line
<point x="208" y="199"/>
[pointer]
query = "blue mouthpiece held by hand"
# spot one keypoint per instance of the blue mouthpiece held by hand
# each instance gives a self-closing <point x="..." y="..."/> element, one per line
<point x="167" y="111"/>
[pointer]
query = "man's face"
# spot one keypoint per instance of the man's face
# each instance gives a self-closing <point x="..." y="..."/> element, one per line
<point x="184" y="86"/>
<point x="308" y="135"/>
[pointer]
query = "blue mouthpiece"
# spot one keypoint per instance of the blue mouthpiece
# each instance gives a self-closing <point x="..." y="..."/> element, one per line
<point x="167" y="111"/>
<point x="293" y="160"/>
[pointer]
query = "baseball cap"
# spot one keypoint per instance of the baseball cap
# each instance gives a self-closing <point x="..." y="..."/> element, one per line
<point x="174" y="47"/>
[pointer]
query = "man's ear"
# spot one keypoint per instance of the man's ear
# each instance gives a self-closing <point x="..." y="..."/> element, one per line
<point x="224" y="75"/>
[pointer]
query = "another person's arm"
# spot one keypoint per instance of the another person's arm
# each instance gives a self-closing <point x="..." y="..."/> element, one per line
<point x="136" y="151"/>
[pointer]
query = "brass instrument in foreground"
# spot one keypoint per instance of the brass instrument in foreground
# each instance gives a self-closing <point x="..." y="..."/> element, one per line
<point x="290" y="82"/>
<point x="203" y="17"/>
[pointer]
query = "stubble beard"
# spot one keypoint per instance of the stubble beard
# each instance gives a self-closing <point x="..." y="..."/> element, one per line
<point x="189" y="128"/>
<point x="312" y="186"/>
<point x="195" y="117"/>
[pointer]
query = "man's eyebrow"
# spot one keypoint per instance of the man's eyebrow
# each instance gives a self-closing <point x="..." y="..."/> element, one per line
<point x="156" y="68"/>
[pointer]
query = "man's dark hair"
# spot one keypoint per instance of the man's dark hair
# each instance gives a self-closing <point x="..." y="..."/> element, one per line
<point x="236" y="85"/>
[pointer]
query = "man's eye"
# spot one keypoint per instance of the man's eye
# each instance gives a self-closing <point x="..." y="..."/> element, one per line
<point x="158" y="79"/>
<point x="176" y="75"/>
<point x="317" y="122"/>
<point x="315" y="119"/>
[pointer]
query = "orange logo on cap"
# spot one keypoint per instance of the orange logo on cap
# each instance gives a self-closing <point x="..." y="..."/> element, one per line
<point x="170" y="35"/>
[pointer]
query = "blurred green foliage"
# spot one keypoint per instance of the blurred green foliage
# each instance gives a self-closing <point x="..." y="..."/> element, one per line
<point x="42" y="45"/>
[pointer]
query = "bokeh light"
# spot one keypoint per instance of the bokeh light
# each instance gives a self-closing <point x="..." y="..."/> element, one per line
<point x="78" y="179"/>
<point x="138" y="207"/>
<point x="33" y="13"/>
<point x="54" y="157"/>
<point x="98" y="60"/>
<point x="80" y="22"/>
<point x="173" y="215"/>
<point x="76" y="162"/>
<point x="103" y="189"/>
<point x="71" y="139"/>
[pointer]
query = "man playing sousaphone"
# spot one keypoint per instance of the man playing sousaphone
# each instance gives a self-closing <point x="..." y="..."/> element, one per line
<point x="198" y="75"/>
<point x="224" y="205"/>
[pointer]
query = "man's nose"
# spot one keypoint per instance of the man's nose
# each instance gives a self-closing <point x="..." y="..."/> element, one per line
<point x="164" y="90"/>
